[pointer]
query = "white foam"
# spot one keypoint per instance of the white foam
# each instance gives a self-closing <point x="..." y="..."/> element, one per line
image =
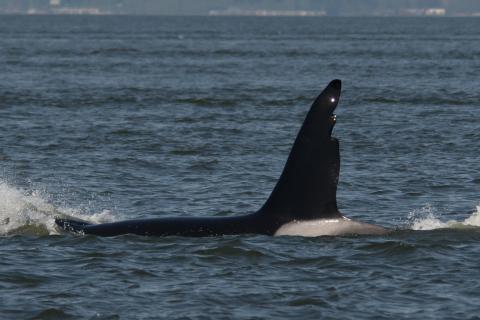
<point x="474" y="219"/>
<point x="29" y="212"/>
<point x="425" y="219"/>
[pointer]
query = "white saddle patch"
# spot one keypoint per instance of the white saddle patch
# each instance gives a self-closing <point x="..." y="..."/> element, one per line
<point x="328" y="227"/>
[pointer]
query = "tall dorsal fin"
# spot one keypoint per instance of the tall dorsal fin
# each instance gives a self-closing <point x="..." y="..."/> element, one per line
<point x="308" y="185"/>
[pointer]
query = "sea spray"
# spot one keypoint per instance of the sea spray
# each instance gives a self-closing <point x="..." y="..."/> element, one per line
<point x="29" y="212"/>
<point x="426" y="219"/>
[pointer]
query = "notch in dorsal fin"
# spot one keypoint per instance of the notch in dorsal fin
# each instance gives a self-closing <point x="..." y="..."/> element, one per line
<point x="308" y="185"/>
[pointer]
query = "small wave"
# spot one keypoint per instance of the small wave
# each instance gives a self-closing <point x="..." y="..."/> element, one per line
<point x="427" y="101"/>
<point x="52" y="313"/>
<point x="207" y="102"/>
<point x="230" y="251"/>
<point x="114" y="51"/>
<point x="389" y="247"/>
<point x="428" y="220"/>
<point x="29" y="213"/>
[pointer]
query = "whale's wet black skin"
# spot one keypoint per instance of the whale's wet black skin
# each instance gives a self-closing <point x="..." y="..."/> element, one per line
<point x="305" y="192"/>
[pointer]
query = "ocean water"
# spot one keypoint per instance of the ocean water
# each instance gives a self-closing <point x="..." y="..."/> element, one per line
<point x="111" y="118"/>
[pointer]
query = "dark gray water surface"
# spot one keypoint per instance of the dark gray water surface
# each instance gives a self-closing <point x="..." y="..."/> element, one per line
<point x="109" y="118"/>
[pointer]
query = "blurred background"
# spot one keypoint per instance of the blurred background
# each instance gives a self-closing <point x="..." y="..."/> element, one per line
<point x="247" y="7"/>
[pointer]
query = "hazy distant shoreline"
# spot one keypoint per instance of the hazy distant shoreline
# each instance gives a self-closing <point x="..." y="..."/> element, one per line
<point x="237" y="15"/>
<point x="301" y="8"/>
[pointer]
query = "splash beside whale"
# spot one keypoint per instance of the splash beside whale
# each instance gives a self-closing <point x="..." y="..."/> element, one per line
<point x="303" y="202"/>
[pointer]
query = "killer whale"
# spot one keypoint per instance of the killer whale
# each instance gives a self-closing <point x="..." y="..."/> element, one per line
<point x="302" y="203"/>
